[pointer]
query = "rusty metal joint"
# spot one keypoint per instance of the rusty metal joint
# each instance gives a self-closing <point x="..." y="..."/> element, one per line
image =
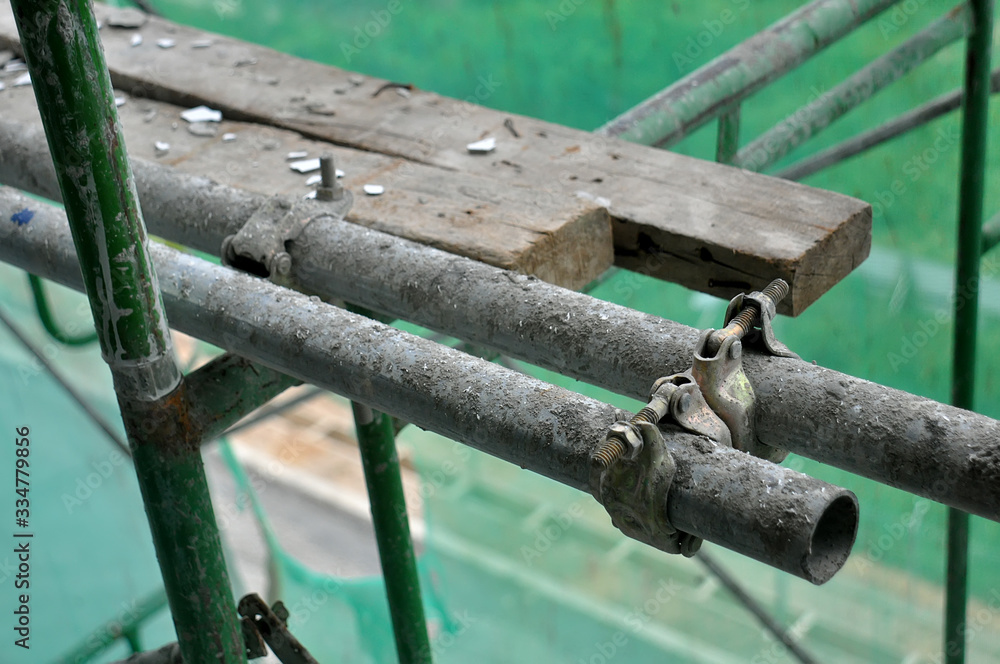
<point x="260" y="247"/>
<point x="763" y="306"/>
<point x="633" y="470"/>
<point x="260" y="621"/>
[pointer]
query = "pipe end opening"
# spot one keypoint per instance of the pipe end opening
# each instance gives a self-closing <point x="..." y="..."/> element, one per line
<point x="832" y="539"/>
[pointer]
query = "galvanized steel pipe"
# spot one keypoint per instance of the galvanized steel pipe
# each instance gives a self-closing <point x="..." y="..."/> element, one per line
<point x="930" y="449"/>
<point x="799" y="524"/>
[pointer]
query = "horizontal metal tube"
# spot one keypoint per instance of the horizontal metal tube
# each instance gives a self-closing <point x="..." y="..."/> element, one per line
<point x="675" y="111"/>
<point x="598" y="342"/>
<point x="533" y="424"/>
<point x="812" y="118"/>
<point x="897" y="126"/>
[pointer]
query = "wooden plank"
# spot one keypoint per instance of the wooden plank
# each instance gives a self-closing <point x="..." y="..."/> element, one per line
<point x="707" y="226"/>
<point x="560" y="239"/>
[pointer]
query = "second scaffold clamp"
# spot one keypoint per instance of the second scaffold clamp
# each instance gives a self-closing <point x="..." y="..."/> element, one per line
<point x="633" y="468"/>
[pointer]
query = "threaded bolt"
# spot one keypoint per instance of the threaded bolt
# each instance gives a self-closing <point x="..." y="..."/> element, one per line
<point x="329" y="189"/>
<point x="616" y="446"/>
<point x="609" y="452"/>
<point x="744" y="321"/>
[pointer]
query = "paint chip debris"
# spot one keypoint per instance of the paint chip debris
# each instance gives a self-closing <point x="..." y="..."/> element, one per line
<point x="162" y="147"/>
<point x="166" y="42"/>
<point x="202" y="43"/>
<point x="201" y="114"/>
<point x="229" y="137"/>
<point x="313" y="179"/>
<point x="23" y="79"/>
<point x="23" y="217"/>
<point x="15" y="65"/>
<point x="136" y="40"/>
<point x="119" y="102"/>
<point x="311" y="194"/>
<point x="296" y="154"/>
<point x="482" y="147"/>
<point x="305" y="165"/>
<point x="600" y="200"/>
<point x="374" y="189"/>
<point x="403" y="92"/>
<point x="2" y="85"/>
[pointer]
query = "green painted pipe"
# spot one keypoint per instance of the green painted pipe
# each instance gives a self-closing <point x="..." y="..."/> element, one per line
<point x="975" y="118"/>
<point x="49" y="320"/>
<point x="226" y="389"/>
<point x="679" y="109"/>
<point x="76" y="102"/>
<point x="103" y="638"/>
<point x="812" y="118"/>
<point x="377" y="441"/>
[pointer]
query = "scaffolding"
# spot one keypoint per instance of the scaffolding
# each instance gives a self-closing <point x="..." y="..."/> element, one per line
<point x="277" y="338"/>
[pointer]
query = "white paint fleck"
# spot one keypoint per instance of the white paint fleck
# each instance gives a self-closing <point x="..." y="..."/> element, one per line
<point x="227" y="137"/>
<point x="136" y="40"/>
<point x="162" y="147"/>
<point x="482" y="147"/>
<point x="374" y="189"/>
<point x="201" y="114"/>
<point x="313" y="179"/>
<point x="23" y="79"/>
<point x="305" y="166"/>
<point x="202" y="43"/>
<point x="296" y="154"/>
<point x="119" y="102"/>
<point x="166" y="42"/>
<point x="600" y="200"/>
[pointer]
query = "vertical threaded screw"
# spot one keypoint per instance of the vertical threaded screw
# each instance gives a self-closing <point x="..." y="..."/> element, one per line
<point x="329" y="189"/>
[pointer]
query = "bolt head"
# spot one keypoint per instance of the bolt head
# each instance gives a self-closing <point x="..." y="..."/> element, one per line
<point x="684" y="403"/>
<point x="736" y="350"/>
<point x="631" y="436"/>
<point x="282" y="264"/>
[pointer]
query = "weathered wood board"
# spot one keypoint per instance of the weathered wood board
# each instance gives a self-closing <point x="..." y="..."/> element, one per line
<point x="559" y="239"/>
<point x="707" y="226"/>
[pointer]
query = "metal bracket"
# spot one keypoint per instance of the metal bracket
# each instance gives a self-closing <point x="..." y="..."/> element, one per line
<point x="765" y="334"/>
<point x="729" y="393"/>
<point x="260" y="247"/>
<point x="632" y="469"/>
<point x="261" y="621"/>
<point x="634" y="491"/>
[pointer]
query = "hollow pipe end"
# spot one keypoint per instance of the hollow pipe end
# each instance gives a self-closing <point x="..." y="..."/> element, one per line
<point x="831" y="540"/>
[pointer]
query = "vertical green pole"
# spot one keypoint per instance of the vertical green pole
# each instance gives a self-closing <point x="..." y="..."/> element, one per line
<point x="376" y="438"/>
<point x="728" y="141"/>
<point x="76" y="102"/>
<point x="975" y="114"/>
